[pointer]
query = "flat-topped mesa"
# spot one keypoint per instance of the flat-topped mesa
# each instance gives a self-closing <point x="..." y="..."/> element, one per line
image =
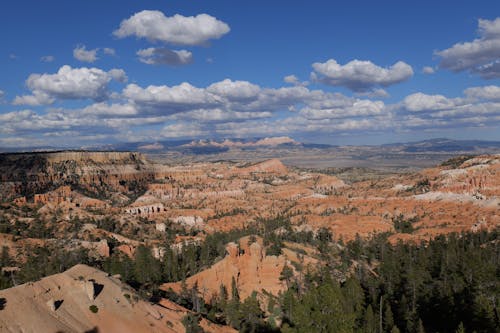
<point x="27" y="174"/>
<point x="96" y="157"/>
<point x="35" y="160"/>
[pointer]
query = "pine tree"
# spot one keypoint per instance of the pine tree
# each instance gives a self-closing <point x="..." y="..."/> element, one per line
<point x="370" y="320"/>
<point x="234" y="290"/>
<point x="286" y="275"/>
<point x="251" y="315"/>
<point x="388" y="317"/>
<point x="147" y="268"/>
<point x="192" y="323"/>
<point x="395" y="329"/>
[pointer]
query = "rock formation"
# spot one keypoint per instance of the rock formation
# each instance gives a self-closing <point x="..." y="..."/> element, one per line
<point x="246" y="263"/>
<point x="63" y="303"/>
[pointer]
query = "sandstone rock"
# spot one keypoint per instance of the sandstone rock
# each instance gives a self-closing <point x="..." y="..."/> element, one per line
<point x="30" y="307"/>
<point x="247" y="264"/>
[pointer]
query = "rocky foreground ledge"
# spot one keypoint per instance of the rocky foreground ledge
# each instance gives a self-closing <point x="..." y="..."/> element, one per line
<point x="85" y="299"/>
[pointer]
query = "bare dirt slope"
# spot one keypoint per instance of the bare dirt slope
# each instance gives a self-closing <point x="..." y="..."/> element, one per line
<point x="62" y="303"/>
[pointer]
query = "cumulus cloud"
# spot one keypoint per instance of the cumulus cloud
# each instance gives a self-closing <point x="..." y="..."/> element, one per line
<point x="486" y="92"/>
<point x="481" y="56"/>
<point x="47" y="58"/>
<point x="69" y="83"/>
<point x="358" y="75"/>
<point x="81" y="53"/>
<point x="422" y="102"/>
<point x="235" y="90"/>
<point x="105" y="110"/>
<point x="428" y="70"/>
<point x="219" y="115"/>
<point x="292" y="79"/>
<point x="374" y="93"/>
<point x="109" y="51"/>
<point x="164" y="56"/>
<point x="169" y="100"/>
<point x="155" y="26"/>
<point x="118" y="75"/>
<point x="229" y="108"/>
<point x="183" y="130"/>
<point x="357" y="108"/>
<point x="37" y="98"/>
<point x="478" y="107"/>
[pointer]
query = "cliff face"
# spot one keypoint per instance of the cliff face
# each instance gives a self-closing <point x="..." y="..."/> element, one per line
<point x="247" y="264"/>
<point x="95" y="172"/>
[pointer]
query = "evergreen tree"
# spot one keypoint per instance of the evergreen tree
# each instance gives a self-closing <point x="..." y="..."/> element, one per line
<point x="286" y="275"/>
<point x="388" y="321"/>
<point x="146" y="268"/>
<point x="235" y="295"/>
<point x="370" y="320"/>
<point x="191" y="323"/>
<point x="251" y="315"/>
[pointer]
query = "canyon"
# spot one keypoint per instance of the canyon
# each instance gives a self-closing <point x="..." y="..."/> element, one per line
<point x="117" y="202"/>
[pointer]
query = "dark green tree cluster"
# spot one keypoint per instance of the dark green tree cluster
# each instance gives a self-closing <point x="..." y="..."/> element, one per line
<point x="450" y="284"/>
<point x="433" y="286"/>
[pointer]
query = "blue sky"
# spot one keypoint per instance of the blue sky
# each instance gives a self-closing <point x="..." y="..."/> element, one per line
<point x="82" y="73"/>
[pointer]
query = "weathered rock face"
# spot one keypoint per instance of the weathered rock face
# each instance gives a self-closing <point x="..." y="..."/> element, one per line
<point x="96" y="172"/>
<point x="61" y="303"/>
<point x="247" y="264"/>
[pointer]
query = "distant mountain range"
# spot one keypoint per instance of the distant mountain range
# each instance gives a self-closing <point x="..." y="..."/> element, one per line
<point x="198" y="147"/>
<point x="201" y="147"/>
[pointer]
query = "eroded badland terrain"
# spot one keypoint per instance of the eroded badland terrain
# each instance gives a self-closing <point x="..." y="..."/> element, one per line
<point x="232" y="245"/>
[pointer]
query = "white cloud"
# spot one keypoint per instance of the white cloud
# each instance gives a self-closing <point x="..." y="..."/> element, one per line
<point x="69" y="83"/>
<point x="360" y="75"/>
<point x="374" y="93"/>
<point x="169" y="100"/>
<point x="228" y="108"/>
<point x="2" y="94"/>
<point x="479" y="107"/>
<point x="109" y="51"/>
<point x="38" y="98"/>
<point x="82" y="54"/>
<point x="164" y="56"/>
<point x="220" y="115"/>
<point x="110" y="110"/>
<point x="118" y="75"/>
<point x="481" y="56"/>
<point x="235" y="90"/>
<point x="486" y="92"/>
<point x="177" y="29"/>
<point x="47" y="58"/>
<point x="183" y="130"/>
<point x="358" y="108"/>
<point x="428" y="70"/>
<point x="422" y="102"/>
<point x="292" y="79"/>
